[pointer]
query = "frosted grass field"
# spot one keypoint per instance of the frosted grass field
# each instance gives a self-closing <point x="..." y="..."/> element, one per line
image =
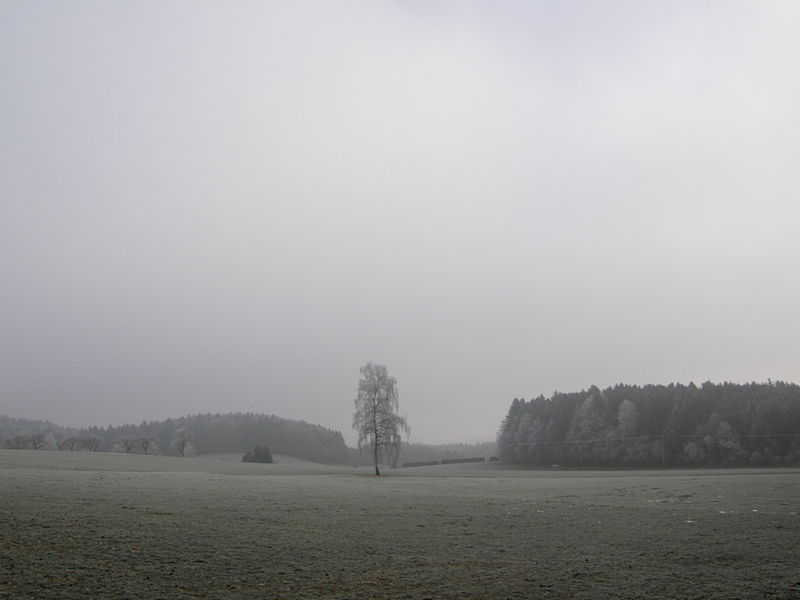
<point x="81" y="525"/>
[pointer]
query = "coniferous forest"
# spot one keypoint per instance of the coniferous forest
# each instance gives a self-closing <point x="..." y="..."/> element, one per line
<point x="714" y="425"/>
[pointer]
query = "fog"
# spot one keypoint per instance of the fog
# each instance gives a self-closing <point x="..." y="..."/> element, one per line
<point x="216" y="207"/>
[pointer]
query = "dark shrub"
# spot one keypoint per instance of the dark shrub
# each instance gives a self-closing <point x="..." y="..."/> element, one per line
<point x="259" y="455"/>
<point x="456" y="461"/>
<point x="428" y="463"/>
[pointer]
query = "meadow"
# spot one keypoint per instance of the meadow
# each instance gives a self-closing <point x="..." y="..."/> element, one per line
<point x="100" y="525"/>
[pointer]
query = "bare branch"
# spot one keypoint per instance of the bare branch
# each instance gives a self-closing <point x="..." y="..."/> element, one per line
<point x="69" y="443"/>
<point x="148" y="444"/>
<point x="19" y="442"/>
<point x="128" y="443"/>
<point x="91" y="442"/>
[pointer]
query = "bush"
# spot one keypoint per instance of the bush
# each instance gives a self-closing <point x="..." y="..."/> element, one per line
<point x="259" y="455"/>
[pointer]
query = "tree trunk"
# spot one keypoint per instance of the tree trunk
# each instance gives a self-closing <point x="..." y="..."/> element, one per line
<point x="375" y="456"/>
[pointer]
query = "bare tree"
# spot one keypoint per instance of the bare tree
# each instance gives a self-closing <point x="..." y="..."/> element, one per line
<point x="148" y="444"/>
<point x="128" y="443"/>
<point x="91" y="442"/>
<point x="379" y="426"/>
<point x="19" y="442"/>
<point x="37" y="441"/>
<point x="182" y="440"/>
<point x="69" y="443"/>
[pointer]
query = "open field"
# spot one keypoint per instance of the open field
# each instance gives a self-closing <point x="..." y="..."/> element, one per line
<point x="81" y="525"/>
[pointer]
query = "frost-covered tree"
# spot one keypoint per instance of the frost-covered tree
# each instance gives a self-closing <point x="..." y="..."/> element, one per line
<point x="148" y="444"/>
<point x="629" y="448"/>
<point x="589" y="425"/>
<point x="379" y="426"/>
<point x="182" y="441"/>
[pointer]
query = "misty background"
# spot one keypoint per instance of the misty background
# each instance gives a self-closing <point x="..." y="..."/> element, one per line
<point x="210" y="207"/>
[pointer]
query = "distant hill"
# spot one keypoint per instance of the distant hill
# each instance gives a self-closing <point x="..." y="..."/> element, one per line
<point x="212" y="433"/>
<point x="225" y="433"/>
<point x="675" y="426"/>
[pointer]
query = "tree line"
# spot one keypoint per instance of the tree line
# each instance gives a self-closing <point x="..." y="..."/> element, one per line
<point x="414" y="452"/>
<point x="429" y="453"/>
<point x="714" y="425"/>
<point x="185" y="436"/>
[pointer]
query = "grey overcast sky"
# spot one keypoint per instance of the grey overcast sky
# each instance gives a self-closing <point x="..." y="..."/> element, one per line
<point x="232" y="206"/>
